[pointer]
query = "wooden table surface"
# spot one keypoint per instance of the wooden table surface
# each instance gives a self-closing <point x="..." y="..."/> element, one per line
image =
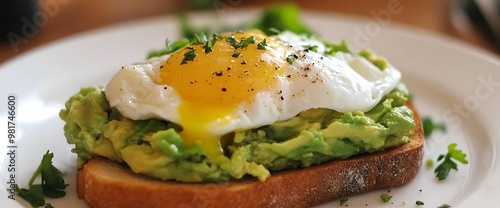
<point x="68" y="17"/>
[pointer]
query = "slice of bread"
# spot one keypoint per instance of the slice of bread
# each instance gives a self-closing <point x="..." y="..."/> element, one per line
<point x="106" y="184"/>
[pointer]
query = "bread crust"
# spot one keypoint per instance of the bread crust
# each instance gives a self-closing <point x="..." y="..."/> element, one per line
<point x="104" y="184"/>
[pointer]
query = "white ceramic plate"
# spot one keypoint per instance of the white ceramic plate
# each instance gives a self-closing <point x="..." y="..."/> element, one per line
<point x="451" y="82"/>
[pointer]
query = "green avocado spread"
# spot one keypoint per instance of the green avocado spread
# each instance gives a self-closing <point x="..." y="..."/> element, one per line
<point x="154" y="147"/>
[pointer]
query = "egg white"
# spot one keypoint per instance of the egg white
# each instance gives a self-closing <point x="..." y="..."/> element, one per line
<point x="343" y="82"/>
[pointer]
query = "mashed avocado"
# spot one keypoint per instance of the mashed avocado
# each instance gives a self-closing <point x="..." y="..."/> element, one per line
<point x="154" y="147"/>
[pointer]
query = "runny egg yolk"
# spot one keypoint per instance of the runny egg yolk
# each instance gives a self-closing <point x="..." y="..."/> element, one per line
<point x="213" y="84"/>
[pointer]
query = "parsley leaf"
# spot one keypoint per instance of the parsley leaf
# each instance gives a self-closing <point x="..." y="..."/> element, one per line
<point x="272" y="31"/>
<point x="385" y="197"/>
<point x="284" y="16"/>
<point x="236" y="54"/>
<point x="430" y="126"/>
<point x="443" y="169"/>
<point x="31" y="195"/>
<point x="312" y="48"/>
<point x="188" y="56"/>
<point x="290" y="59"/>
<point x="216" y="37"/>
<point x="262" y="45"/>
<point x="245" y="42"/>
<point x="343" y="201"/>
<point x="419" y="203"/>
<point x="444" y="206"/>
<point x="199" y="39"/>
<point x="52" y="184"/>
<point x="51" y="177"/>
<point x="208" y="46"/>
<point x="231" y="40"/>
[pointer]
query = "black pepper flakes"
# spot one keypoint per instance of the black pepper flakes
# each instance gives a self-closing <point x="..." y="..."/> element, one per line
<point x="228" y="68"/>
<point x="224" y="89"/>
<point x="243" y="62"/>
<point x="282" y="98"/>
<point x="219" y="73"/>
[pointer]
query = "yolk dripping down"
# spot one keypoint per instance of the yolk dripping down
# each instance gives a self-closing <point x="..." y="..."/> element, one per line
<point x="214" y="83"/>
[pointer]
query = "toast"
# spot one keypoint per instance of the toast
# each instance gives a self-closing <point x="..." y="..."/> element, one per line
<point x="104" y="183"/>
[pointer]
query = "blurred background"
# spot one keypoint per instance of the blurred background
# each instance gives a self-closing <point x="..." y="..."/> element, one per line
<point x="26" y="24"/>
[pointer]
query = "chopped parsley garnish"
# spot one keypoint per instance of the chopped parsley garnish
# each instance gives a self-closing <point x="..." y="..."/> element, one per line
<point x="272" y="31"/>
<point x="231" y="40"/>
<point x="385" y="197"/>
<point x="443" y="169"/>
<point x="312" y="48"/>
<point x="419" y="203"/>
<point x="430" y="126"/>
<point x="199" y="39"/>
<point x="262" y="45"/>
<point x="236" y="54"/>
<point x="343" y="201"/>
<point x="245" y="42"/>
<point x="52" y="184"/>
<point x="188" y="56"/>
<point x="242" y="44"/>
<point x="444" y="206"/>
<point x="208" y="46"/>
<point x="216" y="37"/>
<point x="290" y="59"/>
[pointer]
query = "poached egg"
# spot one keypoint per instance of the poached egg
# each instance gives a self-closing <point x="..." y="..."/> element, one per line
<point x="237" y="87"/>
